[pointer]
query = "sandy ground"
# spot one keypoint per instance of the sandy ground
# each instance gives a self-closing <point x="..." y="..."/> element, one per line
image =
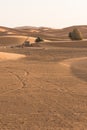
<point x="30" y="39"/>
<point x="47" y="90"/>
<point x="10" y="56"/>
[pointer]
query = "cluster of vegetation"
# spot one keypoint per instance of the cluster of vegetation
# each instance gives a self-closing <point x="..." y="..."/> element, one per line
<point x="26" y="44"/>
<point x="75" y="34"/>
<point x="38" y="39"/>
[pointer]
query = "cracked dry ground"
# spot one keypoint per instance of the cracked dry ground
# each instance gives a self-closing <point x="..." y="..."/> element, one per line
<point x="40" y="93"/>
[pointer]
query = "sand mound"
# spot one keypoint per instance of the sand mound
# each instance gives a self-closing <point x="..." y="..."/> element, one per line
<point x="69" y="62"/>
<point x="34" y="31"/>
<point x="2" y="30"/>
<point x="11" y="40"/>
<point x="10" y="56"/>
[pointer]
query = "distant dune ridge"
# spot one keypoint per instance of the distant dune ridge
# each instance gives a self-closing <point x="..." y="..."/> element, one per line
<point x="18" y="35"/>
<point x="43" y="32"/>
<point x="51" y="33"/>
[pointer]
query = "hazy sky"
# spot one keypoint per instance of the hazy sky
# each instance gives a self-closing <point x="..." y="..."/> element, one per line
<point x="51" y="13"/>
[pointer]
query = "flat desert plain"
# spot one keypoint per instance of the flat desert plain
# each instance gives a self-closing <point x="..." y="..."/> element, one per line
<point x="44" y="87"/>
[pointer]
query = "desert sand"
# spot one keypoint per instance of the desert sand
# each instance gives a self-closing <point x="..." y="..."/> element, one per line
<point x="10" y="56"/>
<point x="44" y="87"/>
<point x="39" y="92"/>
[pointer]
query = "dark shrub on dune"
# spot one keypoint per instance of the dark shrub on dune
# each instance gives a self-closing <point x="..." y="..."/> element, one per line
<point x="75" y="34"/>
<point x="38" y="39"/>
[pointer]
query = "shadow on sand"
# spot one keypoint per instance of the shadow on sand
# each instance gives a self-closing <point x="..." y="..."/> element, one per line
<point x="79" y="69"/>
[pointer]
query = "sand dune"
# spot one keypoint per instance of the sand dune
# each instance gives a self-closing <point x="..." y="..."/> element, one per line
<point x="9" y="40"/>
<point x="74" y="61"/>
<point x="53" y="34"/>
<point x="10" y="56"/>
<point x="2" y="30"/>
<point x="44" y="87"/>
<point x="43" y="32"/>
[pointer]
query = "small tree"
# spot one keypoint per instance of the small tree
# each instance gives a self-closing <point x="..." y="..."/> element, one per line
<point x="38" y="39"/>
<point x="75" y="34"/>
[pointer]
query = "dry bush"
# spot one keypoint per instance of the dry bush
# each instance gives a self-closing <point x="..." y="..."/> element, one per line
<point x="38" y="39"/>
<point x="75" y="34"/>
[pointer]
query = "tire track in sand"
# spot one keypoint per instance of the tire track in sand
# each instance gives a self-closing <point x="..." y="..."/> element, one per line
<point x="22" y="81"/>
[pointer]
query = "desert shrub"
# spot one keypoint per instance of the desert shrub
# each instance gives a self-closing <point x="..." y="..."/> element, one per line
<point x="38" y="39"/>
<point x="26" y="44"/>
<point x="75" y="34"/>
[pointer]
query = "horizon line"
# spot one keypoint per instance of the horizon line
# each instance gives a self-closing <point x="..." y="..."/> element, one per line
<point x="41" y="26"/>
